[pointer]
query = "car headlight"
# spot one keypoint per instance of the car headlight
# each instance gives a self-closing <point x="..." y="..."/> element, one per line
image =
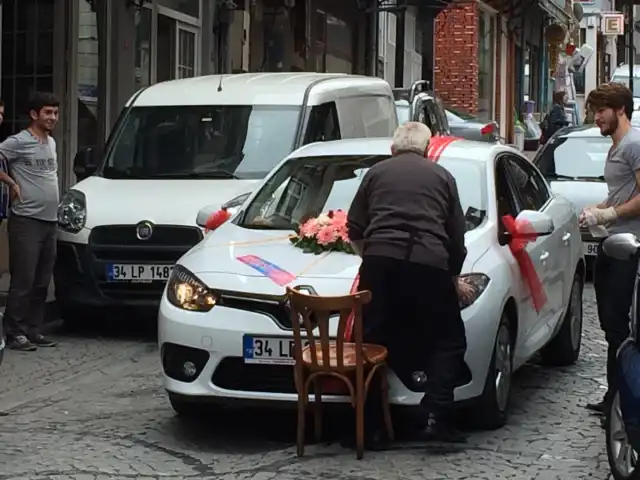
<point x="235" y="203"/>
<point x="186" y="291"/>
<point x="72" y="211"/>
<point x="477" y="283"/>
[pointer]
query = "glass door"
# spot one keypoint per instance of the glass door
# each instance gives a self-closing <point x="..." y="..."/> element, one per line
<point x="186" y="51"/>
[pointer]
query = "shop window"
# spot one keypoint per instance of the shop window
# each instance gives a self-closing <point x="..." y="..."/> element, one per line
<point x="486" y="64"/>
<point x="188" y="7"/>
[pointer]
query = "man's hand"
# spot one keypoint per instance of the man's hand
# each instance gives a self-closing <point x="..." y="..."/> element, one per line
<point x="464" y="289"/>
<point x="14" y="192"/>
<point x="597" y="216"/>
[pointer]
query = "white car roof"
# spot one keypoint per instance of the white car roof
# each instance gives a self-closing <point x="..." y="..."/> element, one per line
<point x="479" y="152"/>
<point x="257" y="89"/>
<point x="623" y="71"/>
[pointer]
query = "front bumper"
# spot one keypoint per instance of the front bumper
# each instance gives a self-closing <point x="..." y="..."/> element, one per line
<point x="213" y="343"/>
<point x="80" y="273"/>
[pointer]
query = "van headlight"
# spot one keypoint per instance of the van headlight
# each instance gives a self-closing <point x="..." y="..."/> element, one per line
<point x="72" y="211"/>
<point x="476" y="283"/>
<point x="188" y="292"/>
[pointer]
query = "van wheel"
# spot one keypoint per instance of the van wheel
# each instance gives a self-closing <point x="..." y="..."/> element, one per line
<point x="491" y="411"/>
<point x="564" y="348"/>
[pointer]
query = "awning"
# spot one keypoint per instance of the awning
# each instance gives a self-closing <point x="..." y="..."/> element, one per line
<point x="556" y="11"/>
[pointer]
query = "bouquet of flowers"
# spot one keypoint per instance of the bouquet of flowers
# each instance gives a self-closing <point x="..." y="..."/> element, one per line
<point x="325" y="233"/>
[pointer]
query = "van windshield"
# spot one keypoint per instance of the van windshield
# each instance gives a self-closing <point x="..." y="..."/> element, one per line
<point x="223" y="141"/>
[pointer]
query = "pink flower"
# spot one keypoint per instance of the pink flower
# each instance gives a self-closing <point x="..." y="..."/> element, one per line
<point x="340" y="216"/>
<point x="327" y="235"/>
<point x="309" y="228"/>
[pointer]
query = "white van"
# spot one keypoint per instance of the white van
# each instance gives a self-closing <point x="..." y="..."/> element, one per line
<point x="179" y="146"/>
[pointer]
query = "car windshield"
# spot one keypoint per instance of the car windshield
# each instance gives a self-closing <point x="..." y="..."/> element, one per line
<point x="574" y="157"/>
<point x="230" y="141"/>
<point x="402" y="107"/>
<point x="306" y="187"/>
<point x="625" y="79"/>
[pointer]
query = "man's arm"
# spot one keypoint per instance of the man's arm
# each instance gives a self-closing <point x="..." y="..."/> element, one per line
<point x="358" y="217"/>
<point x="455" y="228"/>
<point x="632" y="207"/>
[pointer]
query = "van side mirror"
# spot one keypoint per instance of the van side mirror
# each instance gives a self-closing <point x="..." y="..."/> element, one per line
<point x="84" y="163"/>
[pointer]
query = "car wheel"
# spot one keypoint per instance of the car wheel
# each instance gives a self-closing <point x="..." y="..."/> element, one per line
<point x="564" y="348"/>
<point x="491" y="413"/>
<point x="623" y="459"/>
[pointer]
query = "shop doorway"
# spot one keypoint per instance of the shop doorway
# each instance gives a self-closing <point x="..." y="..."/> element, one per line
<point x="177" y="49"/>
<point x="27" y="57"/>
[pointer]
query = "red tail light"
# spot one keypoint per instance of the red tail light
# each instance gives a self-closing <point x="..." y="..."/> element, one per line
<point x="487" y="129"/>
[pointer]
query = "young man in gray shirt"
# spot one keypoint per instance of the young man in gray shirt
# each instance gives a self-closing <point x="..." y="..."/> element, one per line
<point x="612" y="104"/>
<point x="33" y="182"/>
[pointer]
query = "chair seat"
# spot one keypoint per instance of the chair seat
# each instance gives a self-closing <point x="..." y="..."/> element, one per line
<point x="372" y="354"/>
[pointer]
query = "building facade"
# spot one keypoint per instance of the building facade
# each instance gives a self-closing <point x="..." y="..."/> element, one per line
<point x="491" y="57"/>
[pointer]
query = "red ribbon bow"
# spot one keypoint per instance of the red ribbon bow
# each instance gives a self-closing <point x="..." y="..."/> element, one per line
<point x="521" y="234"/>
<point x="216" y="219"/>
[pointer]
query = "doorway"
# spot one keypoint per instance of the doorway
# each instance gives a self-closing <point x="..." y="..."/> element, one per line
<point x="177" y="49"/>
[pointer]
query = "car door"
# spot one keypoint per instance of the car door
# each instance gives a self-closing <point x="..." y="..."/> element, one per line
<point x="551" y="251"/>
<point x="508" y="203"/>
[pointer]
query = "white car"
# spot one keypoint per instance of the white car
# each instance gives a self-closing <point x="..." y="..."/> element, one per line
<point x="224" y="329"/>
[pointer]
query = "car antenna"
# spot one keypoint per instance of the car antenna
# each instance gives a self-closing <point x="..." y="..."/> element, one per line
<point x="220" y="84"/>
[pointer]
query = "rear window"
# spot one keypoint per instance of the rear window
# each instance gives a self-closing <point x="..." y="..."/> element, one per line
<point x="576" y="157"/>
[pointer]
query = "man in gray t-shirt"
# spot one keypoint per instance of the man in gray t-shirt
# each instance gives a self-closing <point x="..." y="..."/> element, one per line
<point x="614" y="279"/>
<point x="33" y="182"/>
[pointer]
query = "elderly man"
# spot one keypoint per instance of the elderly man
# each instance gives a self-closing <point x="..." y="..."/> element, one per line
<point x="407" y="224"/>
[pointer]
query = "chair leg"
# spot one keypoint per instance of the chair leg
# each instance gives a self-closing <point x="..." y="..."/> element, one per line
<point x="386" y="409"/>
<point x="359" y="425"/>
<point x="301" y="421"/>
<point x="317" y="407"/>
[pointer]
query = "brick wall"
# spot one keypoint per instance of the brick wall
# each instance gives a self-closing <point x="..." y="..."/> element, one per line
<point x="456" y="55"/>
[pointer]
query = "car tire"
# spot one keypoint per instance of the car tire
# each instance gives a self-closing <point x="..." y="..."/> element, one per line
<point x="564" y="348"/>
<point x="490" y="413"/>
<point x="617" y="443"/>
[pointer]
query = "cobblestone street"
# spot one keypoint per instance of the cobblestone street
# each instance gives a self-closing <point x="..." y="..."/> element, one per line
<point x="95" y="409"/>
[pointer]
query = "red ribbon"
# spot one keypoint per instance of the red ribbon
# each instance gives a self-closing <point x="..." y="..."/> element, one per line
<point x="348" y="331"/>
<point x="217" y="218"/>
<point x="437" y="146"/>
<point x="521" y="234"/>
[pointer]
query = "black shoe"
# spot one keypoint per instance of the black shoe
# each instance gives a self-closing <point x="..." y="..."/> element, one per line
<point x="42" y="341"/>
<point x="374" y="442"/>
<point x="438" y="430"/>
<point x="21" y="343"/>
<point x="597" y="408"/>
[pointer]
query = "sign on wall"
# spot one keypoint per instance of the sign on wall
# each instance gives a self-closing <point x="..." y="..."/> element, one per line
<point x="612" y="24"/>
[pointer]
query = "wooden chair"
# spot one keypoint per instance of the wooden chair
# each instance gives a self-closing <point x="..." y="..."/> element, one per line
<point x="354" y="363"/>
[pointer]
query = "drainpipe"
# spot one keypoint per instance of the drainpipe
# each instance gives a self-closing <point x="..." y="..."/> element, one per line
<point x="629" y="29"/>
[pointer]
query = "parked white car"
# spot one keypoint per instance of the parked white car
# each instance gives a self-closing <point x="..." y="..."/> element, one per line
<point x="224" y="329"/>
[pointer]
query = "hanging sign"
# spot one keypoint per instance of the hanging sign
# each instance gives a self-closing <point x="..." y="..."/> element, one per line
<point x="612" y="24"/>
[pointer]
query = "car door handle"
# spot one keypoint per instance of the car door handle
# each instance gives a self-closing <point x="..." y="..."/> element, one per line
<point x="544" y="256"/>
<point x="566" y="237"/>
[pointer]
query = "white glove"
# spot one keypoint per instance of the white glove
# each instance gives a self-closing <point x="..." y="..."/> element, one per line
<point x="597" y="216"/>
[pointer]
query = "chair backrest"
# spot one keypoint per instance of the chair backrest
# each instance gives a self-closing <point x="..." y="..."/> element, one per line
<point x="309" y="312"/>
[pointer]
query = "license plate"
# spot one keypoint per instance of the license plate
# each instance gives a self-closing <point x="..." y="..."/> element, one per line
<point x="268" y="350"/>
<point x="590" y="248"/>
<point x="138" y="273"/>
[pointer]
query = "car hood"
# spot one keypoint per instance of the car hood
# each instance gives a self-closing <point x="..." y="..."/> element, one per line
<point x="168" y="202"/>
<point x="581" y="193"/>
<point x="216" y="261"/>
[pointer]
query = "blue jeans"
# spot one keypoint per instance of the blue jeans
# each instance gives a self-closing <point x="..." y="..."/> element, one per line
<point x="614" y="282"/>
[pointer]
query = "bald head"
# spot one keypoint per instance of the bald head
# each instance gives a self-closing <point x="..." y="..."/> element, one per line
<point x="411" y="137"/>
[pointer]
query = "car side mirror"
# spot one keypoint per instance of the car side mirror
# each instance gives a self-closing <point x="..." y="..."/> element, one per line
<point x="531" y="223"/>
<point x="204" y="214"/>
<point x="623" y="246"/>
<point x="84" y="164"/>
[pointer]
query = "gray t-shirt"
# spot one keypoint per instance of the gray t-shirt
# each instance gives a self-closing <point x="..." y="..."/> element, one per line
<point x="34" y="167"/>
<point x="623" y="161"/>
